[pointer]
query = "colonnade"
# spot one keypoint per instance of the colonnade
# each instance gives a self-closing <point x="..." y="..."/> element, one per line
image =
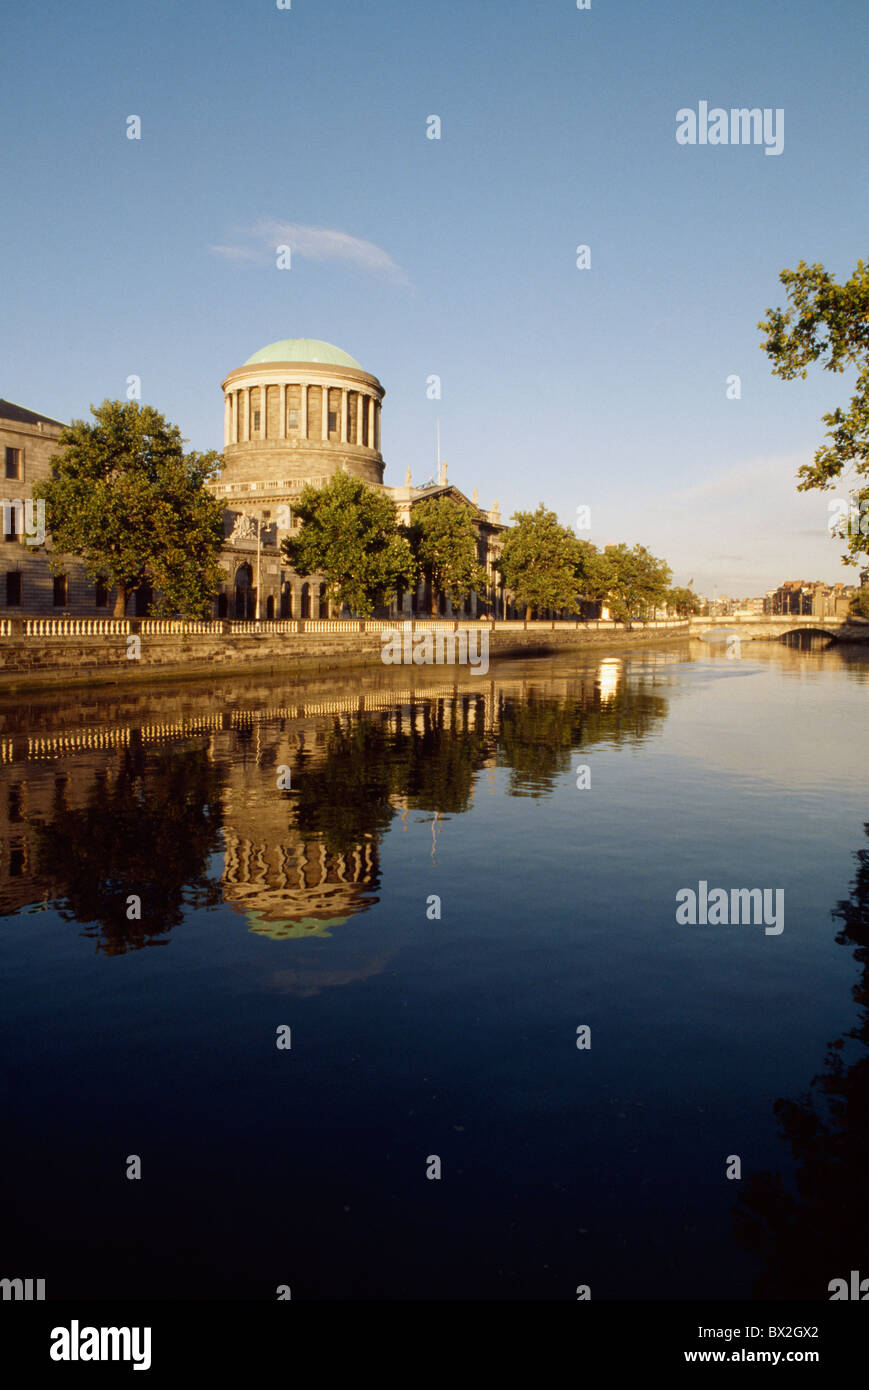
<point x="240" y="424"/>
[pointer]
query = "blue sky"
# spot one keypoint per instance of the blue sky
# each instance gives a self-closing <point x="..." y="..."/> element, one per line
<point x="603" y="387"/>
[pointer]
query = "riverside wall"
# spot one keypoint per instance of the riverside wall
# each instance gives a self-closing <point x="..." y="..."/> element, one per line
<point x="76" y="652"/>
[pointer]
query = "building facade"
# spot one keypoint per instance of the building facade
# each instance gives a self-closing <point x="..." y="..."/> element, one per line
<point x="295" y="413"/>
<point x="810" y="598"/>
<point x="28" y="586"/>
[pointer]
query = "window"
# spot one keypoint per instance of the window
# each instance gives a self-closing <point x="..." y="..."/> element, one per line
<point x="292" y="419"/>
<point x="333" y="420"/>
<point x="13" y="588"/>
<point x="60" y="590"/>
<point x="13" y="463"/>
<point x="102" y="594"/>
<point x="256" y="419"/>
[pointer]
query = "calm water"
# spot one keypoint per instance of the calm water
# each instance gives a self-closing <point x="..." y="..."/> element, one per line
<point x="312" y="908"/>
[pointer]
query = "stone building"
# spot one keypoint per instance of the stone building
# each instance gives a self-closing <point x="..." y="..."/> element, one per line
<point x="810" y="598"/>
<point x="298" y="412"/>
<point x="27" y="585"/>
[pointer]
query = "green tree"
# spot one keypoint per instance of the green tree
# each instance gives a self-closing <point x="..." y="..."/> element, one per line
<point x="829" y="323"/>
<point x="350" y="535"/>
<point x="126" y="500"/>
<point x="594" y="572"/>
<point x="541" y="562"/>
<point x="639" y="581"/>
<point x="860" y="602"/>
<point x="444" y="542"/>
<point x="685" y="601"/>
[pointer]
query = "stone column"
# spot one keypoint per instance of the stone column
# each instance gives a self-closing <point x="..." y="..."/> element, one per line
<point x="360" y="406"/>
<point x="227" y="420"/>
<point x="345" y="406"/>
<point x="282" y="407"/>
<point x="325" y="391"/>
<point x="246" y="423"/>
<point x="264" y="410"/>
<point x="371" y="410"/>
<point x="304" y="415"/>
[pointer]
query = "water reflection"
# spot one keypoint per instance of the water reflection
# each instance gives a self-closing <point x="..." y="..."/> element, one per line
<point x="815" y="1231"/>
<point x="88" y="836"/>
<point x="95" y="819"/>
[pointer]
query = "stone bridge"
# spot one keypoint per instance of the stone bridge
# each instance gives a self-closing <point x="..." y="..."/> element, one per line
<point x="772" y="626"/>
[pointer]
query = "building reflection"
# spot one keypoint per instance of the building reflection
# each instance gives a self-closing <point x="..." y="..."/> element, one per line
<point x="286" y="881"/>
<point x="192" y="808"/>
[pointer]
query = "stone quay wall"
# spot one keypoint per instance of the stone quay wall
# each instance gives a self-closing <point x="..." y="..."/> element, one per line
<point x="77" y="651"/>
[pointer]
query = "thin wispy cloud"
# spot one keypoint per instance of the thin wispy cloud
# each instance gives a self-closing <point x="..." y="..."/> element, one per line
<point x="745" y="528"/>
<point x="258" y="245"/>
<point x="743" y="479"/>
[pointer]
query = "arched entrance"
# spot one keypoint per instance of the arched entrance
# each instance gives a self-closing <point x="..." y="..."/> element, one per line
<point x="286" y="599"/>
<point x="270" y="607"/>
<point x="222" y="605"/>
<point x="322" y="606"/>
<point x="245" y="594"/>
<point x="306" y="601"/>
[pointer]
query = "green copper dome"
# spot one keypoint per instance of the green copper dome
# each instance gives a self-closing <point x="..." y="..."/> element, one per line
<point x="303" y="350"/>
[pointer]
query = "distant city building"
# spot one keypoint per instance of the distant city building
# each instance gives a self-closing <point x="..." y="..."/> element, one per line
<point x="810" y="598"/>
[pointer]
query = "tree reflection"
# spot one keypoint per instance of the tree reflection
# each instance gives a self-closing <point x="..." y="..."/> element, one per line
<point x="819" y="1232"/>
<point x="344" y="797"/>
<point x="538" y="733"/>
<point x="305" y="855"/>
<point x="147" y="828"/>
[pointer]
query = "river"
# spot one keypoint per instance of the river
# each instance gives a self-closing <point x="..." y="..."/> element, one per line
<point x="374" y="988"/>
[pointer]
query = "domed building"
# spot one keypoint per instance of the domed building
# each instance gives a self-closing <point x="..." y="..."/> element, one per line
<point x="303" y="409"/>
<point x="297" y="412"/>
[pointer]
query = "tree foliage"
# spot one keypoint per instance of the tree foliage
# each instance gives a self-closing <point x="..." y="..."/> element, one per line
<point x="125" y="499"/>
<point x="444" y="542"/>
<point x="860" y="602"/>
<point x="541" y="562"/>
<point x="594" y="571"/>
<point x="828" y="323"/>
<point x="639" y="581"/>
<point x="684" y="601"/>
<point x="350" y="535"/>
